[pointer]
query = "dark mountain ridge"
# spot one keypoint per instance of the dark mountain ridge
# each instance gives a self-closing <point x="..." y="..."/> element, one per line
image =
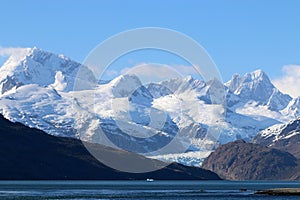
<point x="31" y="154"/>
<point x="246" y="161"/>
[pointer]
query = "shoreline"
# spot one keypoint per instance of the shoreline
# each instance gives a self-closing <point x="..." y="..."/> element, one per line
<point x="280" y="192"/>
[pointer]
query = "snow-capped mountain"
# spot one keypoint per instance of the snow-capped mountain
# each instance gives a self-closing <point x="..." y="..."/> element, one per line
<point x="41" y="68"/>
<point x="277" y="132"/>
<point x="255" y="87"/>
<point x="282" y="136"/>
<point x="37" y="90"/>
<point x="293" y="108"/>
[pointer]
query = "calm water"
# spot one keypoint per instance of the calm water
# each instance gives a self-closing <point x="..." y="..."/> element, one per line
<point x="182" y="190"/>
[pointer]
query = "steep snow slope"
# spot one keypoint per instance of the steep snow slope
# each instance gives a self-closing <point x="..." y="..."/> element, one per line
<point x="278" y="132"/>
<point x="282" y="136"/>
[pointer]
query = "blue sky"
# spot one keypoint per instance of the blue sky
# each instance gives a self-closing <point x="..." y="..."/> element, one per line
<point x="240" y="36"/>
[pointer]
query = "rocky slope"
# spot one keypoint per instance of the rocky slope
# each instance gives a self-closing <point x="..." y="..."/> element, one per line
<point x="283" y="136"/>
<point x="245" y="161"/>
<point x="31" y="154"/>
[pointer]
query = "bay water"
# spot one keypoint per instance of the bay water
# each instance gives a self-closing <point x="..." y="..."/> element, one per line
<point x="173" y="190"/>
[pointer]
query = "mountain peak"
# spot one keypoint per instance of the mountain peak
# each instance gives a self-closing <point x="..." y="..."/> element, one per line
<point x="22" y="54"/>
<point x="36" y="66"/>
<point x="35" y="51"/>
<point x="188" y="78"/>
<point x="126" y="79"/>
<point x="254" y="84"/>
<point x="258" y="73"/>
<point x="125" y="85"/>
<point x="41" y="55"/>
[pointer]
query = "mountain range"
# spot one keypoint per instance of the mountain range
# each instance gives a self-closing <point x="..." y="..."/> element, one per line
<point x="37" y="90"/>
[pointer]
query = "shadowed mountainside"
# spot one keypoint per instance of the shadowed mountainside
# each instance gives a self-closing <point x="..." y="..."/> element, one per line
<point x="31" y="154"/>
<point x="245" y="161"/>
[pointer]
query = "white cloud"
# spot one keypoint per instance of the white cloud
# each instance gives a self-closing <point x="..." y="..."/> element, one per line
<point x="111" y="73"/>
<point x="152" y="72"/>
<point x="13" y="51"/>
<point x="149" y="72"/>
<point x="186" y="70"/>
<point x="289" y="83"/>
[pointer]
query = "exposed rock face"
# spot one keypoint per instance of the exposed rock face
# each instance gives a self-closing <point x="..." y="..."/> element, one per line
<point x="291" y="145"/>
<point x="245" y="161"/>
<point x="285" y="137"/>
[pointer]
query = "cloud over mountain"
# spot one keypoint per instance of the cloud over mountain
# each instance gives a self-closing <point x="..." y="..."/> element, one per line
<point x="290" y="81"/>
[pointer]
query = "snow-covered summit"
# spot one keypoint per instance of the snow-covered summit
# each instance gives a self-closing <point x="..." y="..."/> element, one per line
<point x="40" y="67"/>
<point x="256" y="86"/>
<point x="125" y="85"/>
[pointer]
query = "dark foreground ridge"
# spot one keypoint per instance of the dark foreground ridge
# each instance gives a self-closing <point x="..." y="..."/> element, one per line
<point x="246" y="161"/>
<point x="31" y="154"/>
